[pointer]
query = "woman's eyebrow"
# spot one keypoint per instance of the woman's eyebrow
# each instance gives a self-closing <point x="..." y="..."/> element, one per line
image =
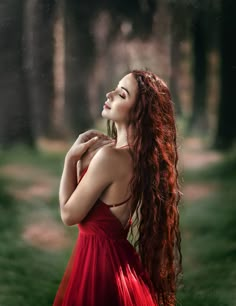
<point x="125" y="90"/>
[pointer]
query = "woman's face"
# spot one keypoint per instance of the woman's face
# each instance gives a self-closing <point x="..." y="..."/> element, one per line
<point x="121" y="100"/>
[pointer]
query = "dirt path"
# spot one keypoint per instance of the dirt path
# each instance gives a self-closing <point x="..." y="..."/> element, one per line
<point x="34" y="186"/>
<point x="194" y="156"/>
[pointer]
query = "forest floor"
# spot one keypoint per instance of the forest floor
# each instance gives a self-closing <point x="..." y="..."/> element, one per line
<point x="35" y="245"/>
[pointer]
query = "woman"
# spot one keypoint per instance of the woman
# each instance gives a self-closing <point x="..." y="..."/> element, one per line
<point x="132" y="173"/>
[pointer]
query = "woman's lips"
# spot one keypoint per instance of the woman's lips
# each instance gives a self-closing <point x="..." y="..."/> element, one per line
<point x="106" y="106"/>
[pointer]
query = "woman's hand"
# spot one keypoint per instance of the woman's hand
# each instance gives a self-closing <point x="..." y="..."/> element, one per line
<point x="90" y="134"/>
<point x="86" y="146"/>
<point x="91" y="151"/>
<point x="77" y="150"/>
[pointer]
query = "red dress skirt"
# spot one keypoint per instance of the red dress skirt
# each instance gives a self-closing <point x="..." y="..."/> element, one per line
<point x="104" y="269"/>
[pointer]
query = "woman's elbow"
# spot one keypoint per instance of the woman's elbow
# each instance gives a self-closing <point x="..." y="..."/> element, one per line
<point x="67" y="219"/>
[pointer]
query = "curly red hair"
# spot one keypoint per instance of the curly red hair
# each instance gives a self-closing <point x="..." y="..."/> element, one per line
<point x="154" y="186"/>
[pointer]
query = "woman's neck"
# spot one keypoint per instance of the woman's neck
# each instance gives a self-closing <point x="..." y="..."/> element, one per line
<point x="122" y="136"/>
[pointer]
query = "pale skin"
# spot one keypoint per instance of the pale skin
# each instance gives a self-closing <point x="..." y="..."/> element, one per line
<point x="109" y="166"/>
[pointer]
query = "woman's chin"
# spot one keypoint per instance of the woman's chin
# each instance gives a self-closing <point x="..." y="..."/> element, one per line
<point x="104" y="115"/>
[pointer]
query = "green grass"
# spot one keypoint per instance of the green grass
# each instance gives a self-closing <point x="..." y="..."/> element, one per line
<point x="30" y="276"/>
<point x="52" y="162"/>
<point x="223" y="172"/>
<point x="209" y="244"/>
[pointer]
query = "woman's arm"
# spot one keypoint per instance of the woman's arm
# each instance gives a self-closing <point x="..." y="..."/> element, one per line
<point x="78" y="158"/>
<point x="68" y="181"/>
<point x="90" y="153"/>
<point x="77" y="201"/>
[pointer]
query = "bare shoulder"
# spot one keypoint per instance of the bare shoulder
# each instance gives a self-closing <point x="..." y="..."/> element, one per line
<point x="114" y="161"/>
<point x="106" y="157"/>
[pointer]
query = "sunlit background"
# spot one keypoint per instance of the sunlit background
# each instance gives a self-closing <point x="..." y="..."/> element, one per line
<point x="57" y="61"/>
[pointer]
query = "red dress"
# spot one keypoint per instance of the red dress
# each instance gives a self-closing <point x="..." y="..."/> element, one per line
<point x="104" y="269"/>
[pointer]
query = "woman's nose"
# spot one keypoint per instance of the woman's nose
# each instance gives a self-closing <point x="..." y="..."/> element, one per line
<point x="109" y="95"/>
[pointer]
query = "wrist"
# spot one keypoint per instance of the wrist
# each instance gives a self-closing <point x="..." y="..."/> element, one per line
<point x="71" y="159"/>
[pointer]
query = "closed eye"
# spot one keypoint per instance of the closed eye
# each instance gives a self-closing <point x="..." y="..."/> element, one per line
<point x="122" y="95"/>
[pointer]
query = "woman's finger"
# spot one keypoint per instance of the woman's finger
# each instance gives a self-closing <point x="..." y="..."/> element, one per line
<point x="84" y="137"/>
<point x="100" y="143"/>
<point x="80" y="149"/>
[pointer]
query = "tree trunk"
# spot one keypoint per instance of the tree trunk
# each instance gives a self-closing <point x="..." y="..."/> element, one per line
<point x="58" y="125"/>
<point x="179" y="23"/>
<point x="198" y="121"/>
<point x="15" y="121"/>
<point x="38" y="62"/>
<point x="79" y="61"/>
<point x="226" y="129"/>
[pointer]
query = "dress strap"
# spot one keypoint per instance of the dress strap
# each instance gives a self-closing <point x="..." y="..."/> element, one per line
<point x="119" y="204"/>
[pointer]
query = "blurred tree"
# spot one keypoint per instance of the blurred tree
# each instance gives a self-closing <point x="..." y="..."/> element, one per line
<point x="226" y="129"/>
<point x="139" y="13"/>
<point x="180" y="20"/>
<point x="81" y="47"/>
<point x="59" y="126"/>
<point x="198" y="119"/>
<point x="204" y="38"/>
<point x="38" y="62"/>
<point x="79" y="60"/>
<point x="15" y="115"/>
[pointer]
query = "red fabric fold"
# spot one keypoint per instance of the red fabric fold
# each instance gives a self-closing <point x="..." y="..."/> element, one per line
<point x="104" y="268"/>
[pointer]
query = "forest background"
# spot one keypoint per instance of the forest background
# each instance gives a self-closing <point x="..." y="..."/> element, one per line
<point x="57" y="61"/>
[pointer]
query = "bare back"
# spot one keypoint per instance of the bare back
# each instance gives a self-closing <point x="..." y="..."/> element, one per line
<point x="119" y="190"/>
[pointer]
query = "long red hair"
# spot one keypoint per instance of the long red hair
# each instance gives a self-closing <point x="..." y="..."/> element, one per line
<point x="154" y="186"/>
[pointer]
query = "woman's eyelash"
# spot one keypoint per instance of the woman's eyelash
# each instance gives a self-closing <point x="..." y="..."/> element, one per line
<point x="122" y="96"/>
